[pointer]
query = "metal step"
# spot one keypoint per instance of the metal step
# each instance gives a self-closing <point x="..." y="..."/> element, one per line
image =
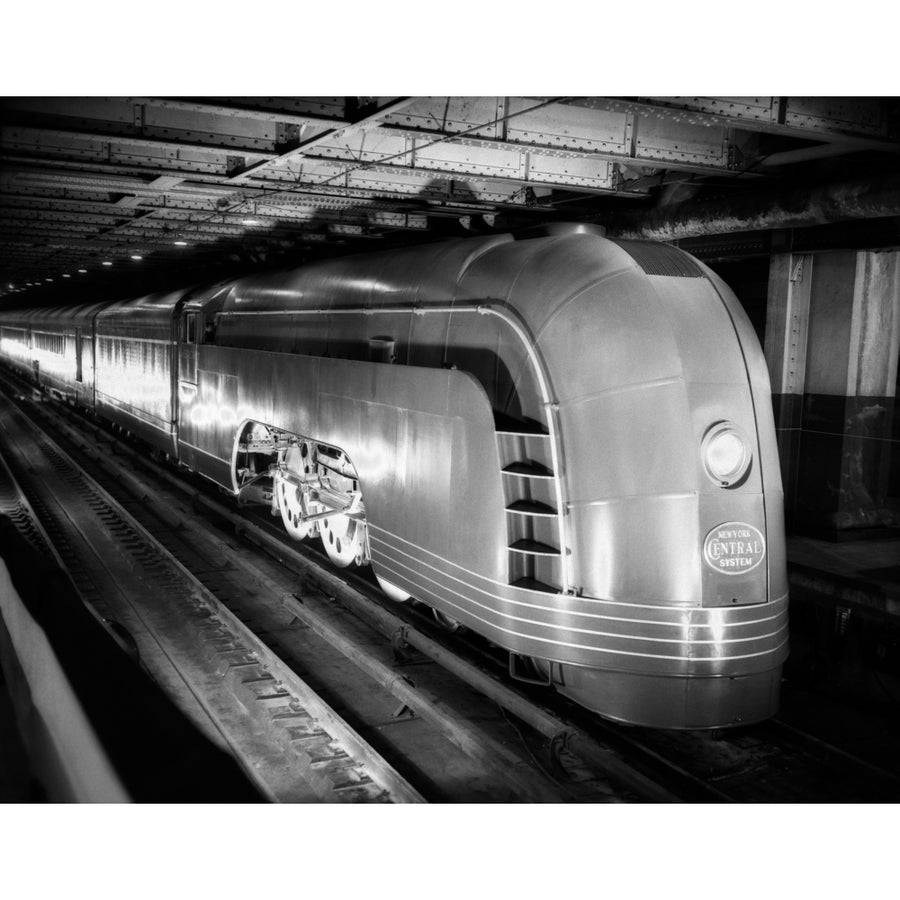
<point x="534" y="548"/>
<point x="530" y="508"/>
<point x="528" y="470"/>
<point x="526" y="427"/>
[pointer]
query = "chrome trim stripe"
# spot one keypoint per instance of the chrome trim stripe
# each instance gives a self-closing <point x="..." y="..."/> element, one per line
<point x="621" y="498"/>
<point x="687" y="657"/>
<point x="624" y="605"/>
<point x="587" y="631"/>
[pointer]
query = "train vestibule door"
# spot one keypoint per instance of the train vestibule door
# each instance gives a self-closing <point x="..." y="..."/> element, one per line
<point x="188" y="338"/>
<point x="79" y="368"/>
<point x="187" y="348"/>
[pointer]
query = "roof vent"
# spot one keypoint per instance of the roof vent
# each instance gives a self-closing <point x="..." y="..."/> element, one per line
<point x="661" y="259"/>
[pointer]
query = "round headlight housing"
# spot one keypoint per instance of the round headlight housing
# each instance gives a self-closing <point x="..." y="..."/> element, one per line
<point x="726" y="454"/>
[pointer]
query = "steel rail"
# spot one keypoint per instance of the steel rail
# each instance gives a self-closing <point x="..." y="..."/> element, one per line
<point x="803" y="740"/>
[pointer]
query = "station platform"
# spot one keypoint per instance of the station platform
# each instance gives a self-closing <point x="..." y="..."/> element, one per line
<point x="862" y="575"/>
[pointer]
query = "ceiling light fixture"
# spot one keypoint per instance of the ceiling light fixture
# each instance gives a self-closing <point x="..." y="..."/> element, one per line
<point x="67" y="276"/>
<point x="106" y="262"/>
<point x="181" y="243"/>
<point x="82" y="271"/>
<point x="135" y="256"/>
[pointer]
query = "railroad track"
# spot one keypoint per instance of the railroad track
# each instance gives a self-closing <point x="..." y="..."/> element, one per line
<point x="777" y="762"/>
<point x="289" y="741"/>
<point x="587" y="759"/>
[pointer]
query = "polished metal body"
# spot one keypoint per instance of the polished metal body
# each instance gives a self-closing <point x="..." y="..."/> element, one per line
<point x="527" y="420"/>
<point x="56" y="347"/>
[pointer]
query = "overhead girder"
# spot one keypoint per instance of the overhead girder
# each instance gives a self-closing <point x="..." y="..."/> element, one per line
<point x="613" y="138"/>
<point x="182" y="122"/>
<point x="321" y="113"/>
<point x="511" y="134"/>
<point x="343" y="130"/>
<point x="103" y="214"/>
<point x="154" y="235"/>
<point x="367" y="188"/>
<point x="96" y="143"/>
<point x="268" y="215"/>
<point x="520" y="152"/>
<point x="845" y="119"/>
<point x="112" y="172"/>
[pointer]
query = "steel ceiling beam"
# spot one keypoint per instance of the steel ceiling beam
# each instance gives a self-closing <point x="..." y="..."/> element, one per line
<point x="559" y="128"/>
<point x="799" y="117"/>
<point x="258" y="202"/>
<point x="259" y="122"/>
<point x="714" y="164"/>
<point x="24" y="136"/>
<point x="111" y="172"/>
<point x="326" y="134"/>
<point x="603" y="182"/>
<point x="315" y="184"/>
<point x="99" y="214"/>
<point x="242" y="111"/>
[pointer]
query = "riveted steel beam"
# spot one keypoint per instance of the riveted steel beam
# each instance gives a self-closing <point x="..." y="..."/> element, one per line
<point x="252" y="124"/>
<point x="140" y="168"/>
<point x="83" y="143"/>
<point x="327" y="114"/>
<point x="320" y="180"/>
<point x="550" y="128"/>
<point x="590" y="180"/>
<point x="147" y="233"/>
<point x="401" y="150"/>
<point x="205" y="198"/>
<point x="326" y="134"/>
<point x="707" y="159"/>
<point x="859" y="121"/>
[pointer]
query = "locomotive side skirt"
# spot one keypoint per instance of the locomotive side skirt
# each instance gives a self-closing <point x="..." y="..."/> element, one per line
<point x="409" y="431"/>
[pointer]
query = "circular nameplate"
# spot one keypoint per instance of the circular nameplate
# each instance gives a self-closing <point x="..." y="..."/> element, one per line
<point x="734" y="548"/>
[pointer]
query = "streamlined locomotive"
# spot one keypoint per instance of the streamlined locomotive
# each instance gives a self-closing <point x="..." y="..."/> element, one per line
<point x="564" y="443"/>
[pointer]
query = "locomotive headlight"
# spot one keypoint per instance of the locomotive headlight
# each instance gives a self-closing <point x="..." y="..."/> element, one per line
<point x="726" y="454"/>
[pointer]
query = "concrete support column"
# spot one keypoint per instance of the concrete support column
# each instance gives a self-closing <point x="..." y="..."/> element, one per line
<point x="870" y="475"/>
<point x="787" y="326"/>
<point x="839" y="456"/>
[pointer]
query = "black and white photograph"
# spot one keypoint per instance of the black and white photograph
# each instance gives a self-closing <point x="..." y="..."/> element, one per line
<point x="493" y="488"/>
